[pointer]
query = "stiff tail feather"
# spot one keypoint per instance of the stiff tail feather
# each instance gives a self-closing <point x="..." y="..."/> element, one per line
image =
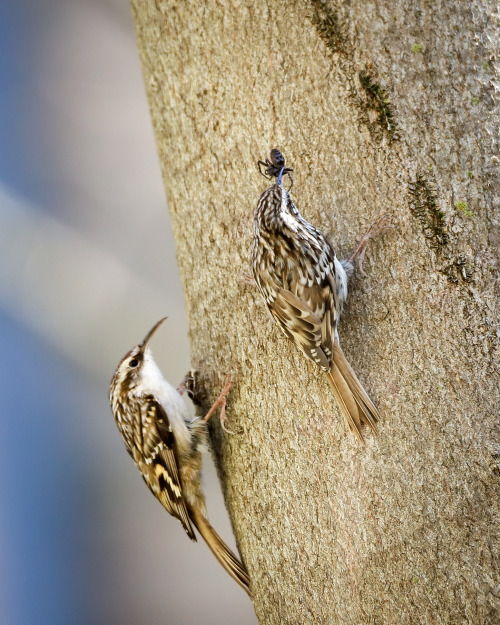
<point x="351" y="397"/>
<point x="221" y="551"/>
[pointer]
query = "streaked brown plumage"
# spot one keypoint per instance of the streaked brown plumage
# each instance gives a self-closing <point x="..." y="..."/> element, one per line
<point x="305" y="288"/>
<point x="165" y="444"/>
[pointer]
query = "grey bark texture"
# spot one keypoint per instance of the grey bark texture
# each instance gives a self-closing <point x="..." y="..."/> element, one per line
<point x="378" y="107"/>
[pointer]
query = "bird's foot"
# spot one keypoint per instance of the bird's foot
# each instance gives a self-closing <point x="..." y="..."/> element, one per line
<point x="381" y="223"/>
<point x="247" y="279"/>
<point x="187" y="385"/>
<point x="221" y="401"/>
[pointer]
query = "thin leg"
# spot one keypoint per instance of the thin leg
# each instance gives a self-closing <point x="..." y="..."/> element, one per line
<point x="247" y="279"/>
<point x="381" y="223"/>
<point x="221" y="401"/>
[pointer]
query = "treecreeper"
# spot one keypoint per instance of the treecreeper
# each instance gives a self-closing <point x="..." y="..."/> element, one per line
<point x="304" y="286"/>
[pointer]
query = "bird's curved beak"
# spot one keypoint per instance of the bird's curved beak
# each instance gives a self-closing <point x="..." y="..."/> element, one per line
<point x="279" y="180"/>
<point x="150" y="334"/>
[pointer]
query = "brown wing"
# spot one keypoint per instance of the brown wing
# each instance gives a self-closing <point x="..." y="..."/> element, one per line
<point x="319" y="297"/>
<point x="303" y="304"/>
<point x="300" y="325"/>
<point x="161" y="471"/>
<point x="294" y="267"/>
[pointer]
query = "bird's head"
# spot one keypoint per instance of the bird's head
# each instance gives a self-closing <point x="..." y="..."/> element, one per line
<point x="130" y="371"/>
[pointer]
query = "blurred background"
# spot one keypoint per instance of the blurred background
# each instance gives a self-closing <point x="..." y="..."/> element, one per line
<point x="88" y="265"/>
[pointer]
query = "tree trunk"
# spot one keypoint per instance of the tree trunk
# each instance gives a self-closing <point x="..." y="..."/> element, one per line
<point x="377" y="107"/>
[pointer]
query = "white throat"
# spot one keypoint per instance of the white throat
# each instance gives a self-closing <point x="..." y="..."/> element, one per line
<point x="153" y="383"/>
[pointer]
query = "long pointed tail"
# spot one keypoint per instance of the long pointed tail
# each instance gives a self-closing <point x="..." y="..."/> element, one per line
<point x="221" y="551"/>
<point x="354" y="403"/>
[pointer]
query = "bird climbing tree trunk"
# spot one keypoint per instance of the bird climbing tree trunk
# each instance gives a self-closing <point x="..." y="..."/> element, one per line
<point x="377" y="107"/>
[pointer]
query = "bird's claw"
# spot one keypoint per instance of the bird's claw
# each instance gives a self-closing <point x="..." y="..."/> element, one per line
<point x="380" y="223"/>
<point x="221" y="401"/>
<point x="247" y="279"/>
<point x="187" y="385"/>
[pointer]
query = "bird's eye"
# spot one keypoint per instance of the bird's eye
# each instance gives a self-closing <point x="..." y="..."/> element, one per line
<point x="133" y="363"/>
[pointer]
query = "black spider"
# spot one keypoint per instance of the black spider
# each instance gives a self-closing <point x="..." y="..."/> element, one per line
<point x="275" y="168"/>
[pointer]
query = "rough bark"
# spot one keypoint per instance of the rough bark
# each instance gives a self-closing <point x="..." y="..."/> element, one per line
<point x="377" y="107"/>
